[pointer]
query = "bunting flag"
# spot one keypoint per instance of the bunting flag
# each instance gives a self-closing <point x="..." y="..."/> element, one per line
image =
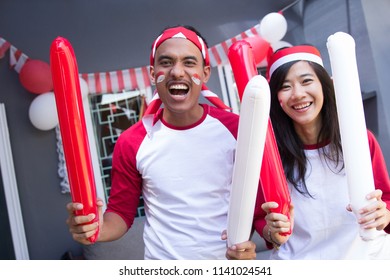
<point x="17" y="59"/>
<point x="117" y="81"/>
<point x="219" y="52"/>
<point x="132" y="78"/>
<point x="138" y="78"/>
<point x="4" y="46"/>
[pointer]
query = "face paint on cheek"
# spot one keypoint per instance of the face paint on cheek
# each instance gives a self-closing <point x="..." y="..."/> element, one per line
<point x="196" y="79"/>
<point x="160" y="77"/>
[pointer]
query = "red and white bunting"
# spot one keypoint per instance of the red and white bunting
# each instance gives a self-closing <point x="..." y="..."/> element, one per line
<point x="133" y="78"/>
<point x="17" y="59"/>
<point x="4" y="46"/>
<point x="117" y="81"/>
<point x="219" y="52"/>
<point x="138" y="78"/>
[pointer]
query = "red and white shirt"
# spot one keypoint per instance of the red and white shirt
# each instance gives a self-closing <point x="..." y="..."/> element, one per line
<point x="184" y="175"/>
<point x="323" y="228"/>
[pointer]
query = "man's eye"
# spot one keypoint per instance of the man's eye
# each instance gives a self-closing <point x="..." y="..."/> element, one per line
<point x="165" y="62"/>
<point x="190" y="63"/>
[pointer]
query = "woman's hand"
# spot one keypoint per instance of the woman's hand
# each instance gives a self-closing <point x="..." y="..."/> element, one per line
<point x="277" y="223"/>
<point x="374" y="215"/>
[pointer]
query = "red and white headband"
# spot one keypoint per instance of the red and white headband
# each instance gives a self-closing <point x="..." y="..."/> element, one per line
<point x="284" y="56"/>
<point x="180" y="32"/>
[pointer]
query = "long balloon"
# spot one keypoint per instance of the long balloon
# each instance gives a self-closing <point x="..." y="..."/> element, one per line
<point x="353" y="131"/>
<point x="73" y="128"/>
<point x="252" y="130"/>
<point x="272" y="177"/>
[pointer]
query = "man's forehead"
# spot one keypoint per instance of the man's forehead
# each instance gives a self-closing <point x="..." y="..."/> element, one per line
<point x="180" y="33"/>
<point x="178" y="46"/>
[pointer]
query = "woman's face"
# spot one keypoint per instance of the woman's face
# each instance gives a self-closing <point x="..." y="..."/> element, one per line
<point x="301" y="96"/>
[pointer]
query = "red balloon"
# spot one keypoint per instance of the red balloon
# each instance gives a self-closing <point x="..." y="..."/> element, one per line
<point x="73" y="128"/>
<point x="35" y="76"/>
<point x="243" y="65"/>
<point x="272" y="178"/>
<point x="259" y="46"/>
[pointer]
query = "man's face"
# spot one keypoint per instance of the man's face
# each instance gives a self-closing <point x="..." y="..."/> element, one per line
<point x="178" y="74"/>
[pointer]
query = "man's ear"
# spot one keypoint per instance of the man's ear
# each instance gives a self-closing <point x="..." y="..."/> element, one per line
<point x="151" y="75"/>
<point x="206" y="73"/>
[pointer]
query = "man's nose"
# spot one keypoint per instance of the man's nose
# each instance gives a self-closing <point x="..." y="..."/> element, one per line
<point x="177" y="70"/>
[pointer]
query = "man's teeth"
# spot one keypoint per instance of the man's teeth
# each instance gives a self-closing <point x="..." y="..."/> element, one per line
<point x="301" y="106"/>
<point x="179" y="87"/>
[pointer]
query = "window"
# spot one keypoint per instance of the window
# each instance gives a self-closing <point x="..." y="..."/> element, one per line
<point x="110" y="114"/>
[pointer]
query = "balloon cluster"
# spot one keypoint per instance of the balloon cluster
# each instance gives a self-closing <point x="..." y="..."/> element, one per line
<point x="272" y="29"/>
<point x="35" y="76"/>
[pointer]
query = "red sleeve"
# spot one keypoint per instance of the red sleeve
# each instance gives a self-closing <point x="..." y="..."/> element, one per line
<point x="126" y="184"/>
<point x="381" y="176"/>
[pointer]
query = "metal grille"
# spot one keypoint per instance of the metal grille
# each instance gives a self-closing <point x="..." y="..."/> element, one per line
<point x="111" y="115"/>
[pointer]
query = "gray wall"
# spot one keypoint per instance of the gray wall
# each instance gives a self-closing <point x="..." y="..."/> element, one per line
<point x="376" y="13"/>
<point x="114" y="35"/>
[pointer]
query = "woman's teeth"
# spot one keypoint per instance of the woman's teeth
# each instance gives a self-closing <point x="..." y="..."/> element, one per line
<point x="302" y="106"/>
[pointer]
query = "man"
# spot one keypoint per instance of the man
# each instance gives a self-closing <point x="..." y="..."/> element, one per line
<point x="180" y="158"/>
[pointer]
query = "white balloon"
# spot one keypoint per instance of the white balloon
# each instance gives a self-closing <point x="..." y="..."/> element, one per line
<point x="43" y="111"/>
<point x="280" y="44"/>
<point x="83" y="88"/>
<point x="273" y="27"/>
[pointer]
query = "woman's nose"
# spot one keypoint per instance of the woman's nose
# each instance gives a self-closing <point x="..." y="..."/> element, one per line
<point x="298" y="91"/>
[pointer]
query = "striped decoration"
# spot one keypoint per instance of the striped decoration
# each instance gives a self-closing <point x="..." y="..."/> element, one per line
<point x="17" y="59"/>
<point x="138" y="78"/>
<point x="219" y="52"/>
<point x="117" y="81"/>
<point x="133" y="78"/>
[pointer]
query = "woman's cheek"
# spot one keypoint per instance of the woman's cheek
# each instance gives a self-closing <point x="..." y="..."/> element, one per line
<point x="281" y="103"/>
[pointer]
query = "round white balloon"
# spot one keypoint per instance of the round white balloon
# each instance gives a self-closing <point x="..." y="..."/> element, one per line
<point x="280" y="44"/>
<point x="83" y="88"/>
<point x="43" y="111"/>
<point x="273" y="27"/>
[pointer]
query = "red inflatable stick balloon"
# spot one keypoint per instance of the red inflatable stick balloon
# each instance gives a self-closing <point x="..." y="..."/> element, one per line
<point x="73" y="128"/>
<point x="272" y="177"/>
<point x="259" y="46"/>
<point x="243" y="64"/>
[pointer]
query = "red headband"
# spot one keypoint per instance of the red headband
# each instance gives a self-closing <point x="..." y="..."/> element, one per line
<point x="284" y="56"/>
<point x="181" y="32"/>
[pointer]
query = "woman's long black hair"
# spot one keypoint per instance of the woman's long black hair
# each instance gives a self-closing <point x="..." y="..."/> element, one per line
<point x="290" y="146"/>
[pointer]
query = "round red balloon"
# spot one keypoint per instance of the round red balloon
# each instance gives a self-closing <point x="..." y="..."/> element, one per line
<point x="259" y="47"/>
<point x="35" y="76"/>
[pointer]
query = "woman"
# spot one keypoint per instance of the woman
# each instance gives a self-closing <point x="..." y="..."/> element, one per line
<point x="304" y="118"/>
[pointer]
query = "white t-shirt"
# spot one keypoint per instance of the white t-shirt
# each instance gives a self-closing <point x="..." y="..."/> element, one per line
<point x="185" y="175"/>
<point x="323" y="228"/>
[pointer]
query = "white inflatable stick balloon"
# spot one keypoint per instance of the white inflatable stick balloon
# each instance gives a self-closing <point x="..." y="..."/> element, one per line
<point x="252" y="130"/>
<point x="356" y="153"/>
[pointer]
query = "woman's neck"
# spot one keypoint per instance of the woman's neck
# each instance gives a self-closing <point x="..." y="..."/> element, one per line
<point x="309" y="133"/>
